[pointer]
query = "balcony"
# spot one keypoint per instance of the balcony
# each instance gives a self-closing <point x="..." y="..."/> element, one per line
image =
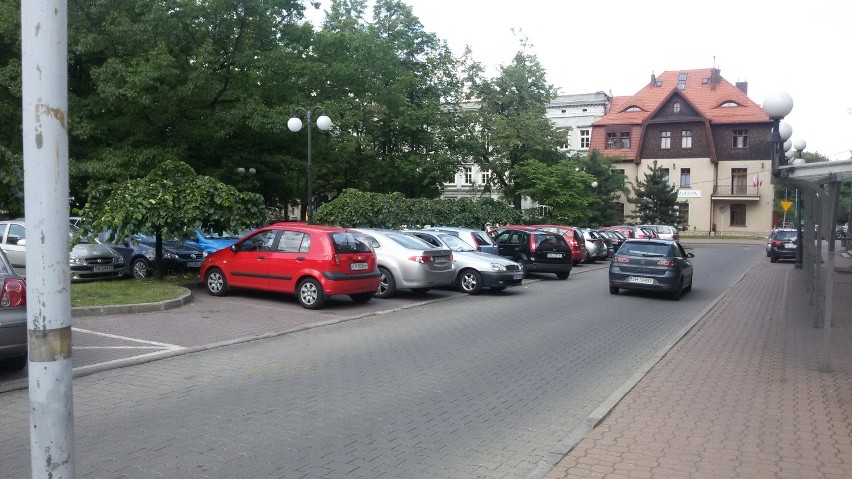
<point x="743" y="192"/>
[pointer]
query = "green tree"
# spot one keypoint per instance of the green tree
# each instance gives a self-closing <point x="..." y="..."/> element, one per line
<point x="605" y="195"/>
<point x="170" y="202"/>
<point x="510" y="122"/>
<point x="655" y="198"/>
<point x="563" y="187"/>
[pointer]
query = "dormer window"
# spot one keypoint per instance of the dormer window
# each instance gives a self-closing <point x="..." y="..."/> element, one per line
<point x="681" y="85"/>
<point x="659" y="84"/>
<point x="676" y="107"/>
<point x="729" y="104"/>
<point x="681" y="77"/>
<point x="632" y="108"/>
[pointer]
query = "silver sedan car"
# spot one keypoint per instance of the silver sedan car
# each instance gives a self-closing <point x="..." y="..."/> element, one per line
<point x="474" y="270"/>
<point x="13" y="317"/>
<point x="406" y="262"/>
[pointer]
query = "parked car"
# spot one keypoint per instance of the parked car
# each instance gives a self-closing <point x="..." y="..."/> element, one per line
<point x="615" y="238"/>
<point x="13" y="316"/>
<point x="475" y="270"/>
<point x="610" y="248"/>
<point x="653" y="265"/>
<point x="406" y="262"/>
<point x="87" y="261"/>
<point x="535" y="250"/>
<point x="310" y="261"/>
<point x="782" y="244"/>
<point x="210" y="240"/>
<point x="595" y="245"/>
<point x="663" y="231"/>
<point x="139" y="252"/>
<point x="573" y="237"/>
<point x="477" y="238"/>
<point x="632" y="232"/>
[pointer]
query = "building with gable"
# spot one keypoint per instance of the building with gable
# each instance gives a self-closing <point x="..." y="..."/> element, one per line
<point x="710" y="137"/>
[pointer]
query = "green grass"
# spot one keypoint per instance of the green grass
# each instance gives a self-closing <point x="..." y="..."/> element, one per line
<point x="129" y="291"/>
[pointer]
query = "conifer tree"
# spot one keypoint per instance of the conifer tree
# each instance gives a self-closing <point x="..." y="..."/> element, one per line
<point x="655" y="198"/>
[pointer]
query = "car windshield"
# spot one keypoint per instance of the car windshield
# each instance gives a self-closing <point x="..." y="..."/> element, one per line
<point x="456" y="244"/>
<point x="644" y="249"/>
<point x="350" y="243"/>
<point x="75" y="235"/>
<point x="213" y="235"/>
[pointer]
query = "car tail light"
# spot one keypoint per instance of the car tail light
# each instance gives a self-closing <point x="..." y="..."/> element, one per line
<point x="676" y="237"/>
<point x="14" y="293"/>
<point x="421" y="259"/>
<point x="532" y="243"/>
<point x="665" y="262"/>
<point x="776" y="243"/>
<point x="621" y="259"/>
<point x="337" y="260"/>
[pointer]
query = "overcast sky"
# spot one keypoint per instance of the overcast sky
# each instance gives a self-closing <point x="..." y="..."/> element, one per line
<point x="615" y="45"/>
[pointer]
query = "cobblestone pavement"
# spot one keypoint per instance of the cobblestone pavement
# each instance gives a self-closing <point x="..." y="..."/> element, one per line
<point x="741" y="395"/>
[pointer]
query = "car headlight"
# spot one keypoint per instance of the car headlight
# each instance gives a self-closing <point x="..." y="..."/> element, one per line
<point x="498" y="267"/>
<point x="75" y="260"/>
<point x="169" y="255"/>
<point x="119" y="260"/>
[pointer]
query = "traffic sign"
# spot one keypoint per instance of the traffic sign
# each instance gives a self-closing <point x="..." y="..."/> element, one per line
<point x="785" y="205"/>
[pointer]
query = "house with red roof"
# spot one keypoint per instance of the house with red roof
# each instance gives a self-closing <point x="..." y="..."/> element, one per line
<point x="709" y="135"/>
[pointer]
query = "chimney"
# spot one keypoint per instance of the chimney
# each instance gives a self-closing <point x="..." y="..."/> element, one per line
<point x="653" y="80"/>
<point x="715" y="77"/>
<point x="743" y="86"/>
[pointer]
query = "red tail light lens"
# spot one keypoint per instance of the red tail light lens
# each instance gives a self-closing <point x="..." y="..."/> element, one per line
<point x="421" y="259"/>
<point x="532" y="244"/>
<point x="665" y="262"/>
<point x="776" y="243"/>
<point x="14" y="293"/>
<point x="620" y="259"/>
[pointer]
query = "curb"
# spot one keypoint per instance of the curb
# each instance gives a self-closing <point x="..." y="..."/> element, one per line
<point x="184" y="298"/>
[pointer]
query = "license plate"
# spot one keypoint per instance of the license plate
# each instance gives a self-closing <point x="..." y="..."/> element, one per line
<point x="193" y="264"/>
<point x="358" y="266"/>
<point x="637" y="279"/>
<point x="790" y="245"/>
<point x="518" y="276"/>
<point x="554" y="255"/>
<point x="101" y="269"/>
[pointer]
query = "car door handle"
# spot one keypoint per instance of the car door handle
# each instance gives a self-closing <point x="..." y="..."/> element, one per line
<point x="261" y="257"/>
<point x="300" y="258"/>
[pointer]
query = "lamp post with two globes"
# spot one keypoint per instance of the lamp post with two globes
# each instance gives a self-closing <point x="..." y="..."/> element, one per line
<point x="294" y="124"/>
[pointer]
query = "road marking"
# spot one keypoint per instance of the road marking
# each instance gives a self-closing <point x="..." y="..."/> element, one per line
<point x="166" y="346"/>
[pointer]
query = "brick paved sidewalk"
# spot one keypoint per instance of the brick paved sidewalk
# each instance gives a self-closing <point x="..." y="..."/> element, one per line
<point x="741" y="395"/>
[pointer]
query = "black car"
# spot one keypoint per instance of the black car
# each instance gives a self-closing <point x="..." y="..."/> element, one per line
<point x="535" y="250"/>
<point x="651" y="264"/>
<point x="782" y="244"/>
<point x="139" y="255"/>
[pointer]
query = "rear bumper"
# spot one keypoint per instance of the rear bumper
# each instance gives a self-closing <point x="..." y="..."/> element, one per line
<point x="550" y="267"/>
<point x="13" y="333"/>
<point x="339" y="283"/>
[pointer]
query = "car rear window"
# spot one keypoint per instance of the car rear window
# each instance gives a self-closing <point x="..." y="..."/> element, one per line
<point x="409" y="242"/>
<point x="481" y="238"/>
<point x="645" y="249"/>
<point x="553" y="238"/>
<point x="349" y="243"/>
<point x="785" y="235"/>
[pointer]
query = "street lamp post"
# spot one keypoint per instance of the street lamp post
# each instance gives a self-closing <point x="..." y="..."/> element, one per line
<point x="777" y="106"/>
<point x="800" y="146"/>
<point x="295" y="124"/>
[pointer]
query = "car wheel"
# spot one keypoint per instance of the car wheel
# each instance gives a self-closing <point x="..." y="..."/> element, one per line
<point x="773" y="259"/>
<point x="523" y="264"/>
<point x="310" y="294"/>
<point x="563" y="275"/>
<point x="678" y="291"/>
<point x="470" y="281"/>
<point x="140" y="268"/>
<point x="387" y="285"/>
<point x="14" y="364"/>
<point x="420" y="290"/>
<point x="361" y="298"/>
<point x="215" y="282"/>
<point x="613" y="290"/>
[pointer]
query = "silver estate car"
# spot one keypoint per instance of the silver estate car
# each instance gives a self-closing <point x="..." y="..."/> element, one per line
<point x="474" y="269"/>
<point x="406" y="262"/>
<point x="13" y="317"/>
<point x="476" y="238"/>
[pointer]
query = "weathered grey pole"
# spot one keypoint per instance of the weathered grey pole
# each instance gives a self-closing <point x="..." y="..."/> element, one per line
<point x="44" y="45"/>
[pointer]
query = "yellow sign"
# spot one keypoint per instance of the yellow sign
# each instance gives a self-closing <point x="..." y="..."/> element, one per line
<point x="786" y="205"/>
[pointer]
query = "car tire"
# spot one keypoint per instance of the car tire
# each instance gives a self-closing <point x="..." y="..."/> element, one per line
<point x="361" y="298"/>
<point x="310" y="294"/>
<point x="387" y="285"/>
<point x="563" y="274"/>
<point x="14" y="364"/>
<point x="773" y="259"/>
<point x="215" y="282"/>
<point x="522" y="262"/>
<point x="613" y="290"/>
<point x="470" y="281"/>
<point x="140" y="268"/>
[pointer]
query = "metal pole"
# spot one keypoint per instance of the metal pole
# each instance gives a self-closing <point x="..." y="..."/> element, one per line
<point x="830" y="209"/>
<point x="44" y="66"/>
<point x="310" y="175"/>
<point x="799" y="239"/>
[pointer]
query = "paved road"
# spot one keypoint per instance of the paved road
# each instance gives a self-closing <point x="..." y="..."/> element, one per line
<point x="475" y="387"/>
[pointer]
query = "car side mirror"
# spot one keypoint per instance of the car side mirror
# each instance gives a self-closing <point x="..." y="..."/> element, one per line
<point x="21" y="242"/>
<point x="690" y="255"/>
<point x="234" y="248"/>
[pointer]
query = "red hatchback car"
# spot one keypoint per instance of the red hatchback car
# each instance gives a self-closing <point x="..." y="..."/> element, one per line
<point x="313" y="262"/>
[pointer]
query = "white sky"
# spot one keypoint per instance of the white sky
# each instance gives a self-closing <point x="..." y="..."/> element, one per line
<point x="614" y="46"/>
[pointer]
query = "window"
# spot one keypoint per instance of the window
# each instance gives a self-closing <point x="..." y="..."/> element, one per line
<point x="468" y="175"/>
<point x="610" y="140"/>
<point x="633" y="108"/>
<point x="665" y="172"/>
<point x="665" y="140"/>
<point x="294" y="242"/>
<point x="485" y="177"/>
<point x="681" y="86"/>
<point x="619" y="171"/>
<point x="738" y="214"/>
<point x="260" y="242"/>
<point x="729" y="104"/>
<point x="740" y="139"/>
<point x="625" y="139"/>
<point x="681" y="77"/>
<point x="676" y="107"/>
<point x="685" y="178"/>
<point x="16" y="232"/>
<point x="739" y="181"/>
<point x="585" y="138"/>
<point x="686" y="139"/>
<point x="683" y="212"/>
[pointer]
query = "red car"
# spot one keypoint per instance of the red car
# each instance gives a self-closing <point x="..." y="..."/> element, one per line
<point x="633" y="232"/>
<point x="573" y="236"/>
<point x="313" y="262"/>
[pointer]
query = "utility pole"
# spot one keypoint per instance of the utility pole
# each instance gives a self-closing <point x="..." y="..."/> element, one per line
<point x="44" y="67"/>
